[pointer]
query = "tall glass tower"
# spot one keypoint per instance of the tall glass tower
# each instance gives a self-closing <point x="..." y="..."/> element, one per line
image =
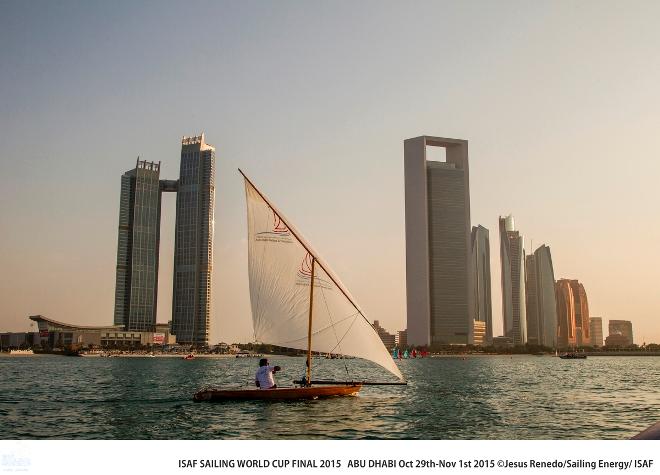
<point x="136" y="290"/>
<point x="541" y="305"/>
<point x="483" y="312"/>
<point x="512" y="256"/>
<point x="565" y="314"/>
<point x="193" y="243"/>
<point x="546" y="299"/>
<point x="582" y="328"/>
<point x="438" y="272"/>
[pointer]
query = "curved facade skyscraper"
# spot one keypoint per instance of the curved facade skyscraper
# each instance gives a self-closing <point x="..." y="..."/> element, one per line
<point x="541" y="300"/>
<point x="512" y="258"/>
<point x="546" y="298"/>
<point x="582" y="328"/>
<point x="531" y="302"/>
<point x="565" y="314"/>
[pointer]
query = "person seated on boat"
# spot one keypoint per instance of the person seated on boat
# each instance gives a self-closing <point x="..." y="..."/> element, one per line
<point x="264" y="377"/>
<point x="303" y="380"/>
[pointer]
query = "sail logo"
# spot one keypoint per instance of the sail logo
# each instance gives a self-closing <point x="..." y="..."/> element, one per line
<point x="279" y="231"/>
<point x="304" y="274"/>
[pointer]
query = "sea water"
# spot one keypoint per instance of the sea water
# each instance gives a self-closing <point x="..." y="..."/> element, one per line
<point x="476" y="397"/>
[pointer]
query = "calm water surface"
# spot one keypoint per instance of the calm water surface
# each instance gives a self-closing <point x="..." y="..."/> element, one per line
<point x="524" y="397"/>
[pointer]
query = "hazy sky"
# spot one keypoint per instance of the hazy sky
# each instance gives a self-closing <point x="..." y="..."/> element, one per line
<point x="559" y="101"/>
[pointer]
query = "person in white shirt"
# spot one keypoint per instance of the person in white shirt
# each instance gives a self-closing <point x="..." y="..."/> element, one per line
<point x="264" y="377"/>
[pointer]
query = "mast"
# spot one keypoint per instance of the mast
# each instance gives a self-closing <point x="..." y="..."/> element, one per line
<point x="309" y="326"/>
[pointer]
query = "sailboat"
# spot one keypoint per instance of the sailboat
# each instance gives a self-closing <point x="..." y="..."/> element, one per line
<point x="298" y="302"/>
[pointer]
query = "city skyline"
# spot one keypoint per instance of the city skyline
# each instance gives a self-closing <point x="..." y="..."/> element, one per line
<point x="330" y="118"/>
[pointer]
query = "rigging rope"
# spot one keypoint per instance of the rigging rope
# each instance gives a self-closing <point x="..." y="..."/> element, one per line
<point x="334" y="330"/>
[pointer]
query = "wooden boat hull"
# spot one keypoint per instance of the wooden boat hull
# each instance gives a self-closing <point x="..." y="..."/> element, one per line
<point x="279" y="394"/>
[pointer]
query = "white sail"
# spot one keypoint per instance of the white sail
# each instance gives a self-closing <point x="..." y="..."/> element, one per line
<point x="280" y="263"/>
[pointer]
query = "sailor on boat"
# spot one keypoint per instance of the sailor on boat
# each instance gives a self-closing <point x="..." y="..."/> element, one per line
<point x="264" y="377"/>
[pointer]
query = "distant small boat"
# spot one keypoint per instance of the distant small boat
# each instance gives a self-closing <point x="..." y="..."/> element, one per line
<point x="21" y="352"/>
<point x="189" y="357"/>
<point x="573" y="356"/>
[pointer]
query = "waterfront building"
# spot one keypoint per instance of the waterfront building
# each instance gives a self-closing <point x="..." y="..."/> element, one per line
<point x="541" y="305"/>
<point x="622" y="329"/>
<point x="512" y="257"/>
<point x="18" y="340"/>
<point x="53" y="334"/>
<point x="478" y="335"/>
<point x="136" y="288"/>
<point x="438" y="272"/>
<point x="193" y="244"/>
<point x="402" y="339"/>
<point x="482" y="314"/>
<point x="596" y="330"/>
<point x="617" y="341"/>
<point x="565" y="314"/>
<point x="388" y="339"/>
<point x="582" y="332"/>
<point x="503" y="342"/>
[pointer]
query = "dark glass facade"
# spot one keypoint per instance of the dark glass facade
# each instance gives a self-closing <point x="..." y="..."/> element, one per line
<point x="546" y="300"/>
<point x="483" y="311"/>
<point x="512" y="256"/>
<point x="136" y="290"/>
<point x="193" y="247"/>
<point x="448" y="220"/>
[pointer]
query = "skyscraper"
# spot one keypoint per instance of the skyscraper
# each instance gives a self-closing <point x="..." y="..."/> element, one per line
<point x="541" y="303"/>
<point x="531" y="303"/>
<point x="546" y="300"/>
<point x="193" y="244"/>
<point x="596" y="328"/>
<point x="483" y="312"/>
<point x="136" y="289"/>
<point x="438" y="273"/>
<point x="512" y="257"/>
<point x="565" y="314"/>
<point x="582" y="333"/>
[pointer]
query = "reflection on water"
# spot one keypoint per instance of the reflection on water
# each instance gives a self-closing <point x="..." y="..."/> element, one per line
<point x="524" y="397"/>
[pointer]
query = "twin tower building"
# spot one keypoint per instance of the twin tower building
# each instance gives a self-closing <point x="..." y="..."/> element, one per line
<point x="136" y="291"/>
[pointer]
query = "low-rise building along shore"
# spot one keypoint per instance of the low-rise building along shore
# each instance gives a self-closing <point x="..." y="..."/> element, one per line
<point x="54" y="334"/>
